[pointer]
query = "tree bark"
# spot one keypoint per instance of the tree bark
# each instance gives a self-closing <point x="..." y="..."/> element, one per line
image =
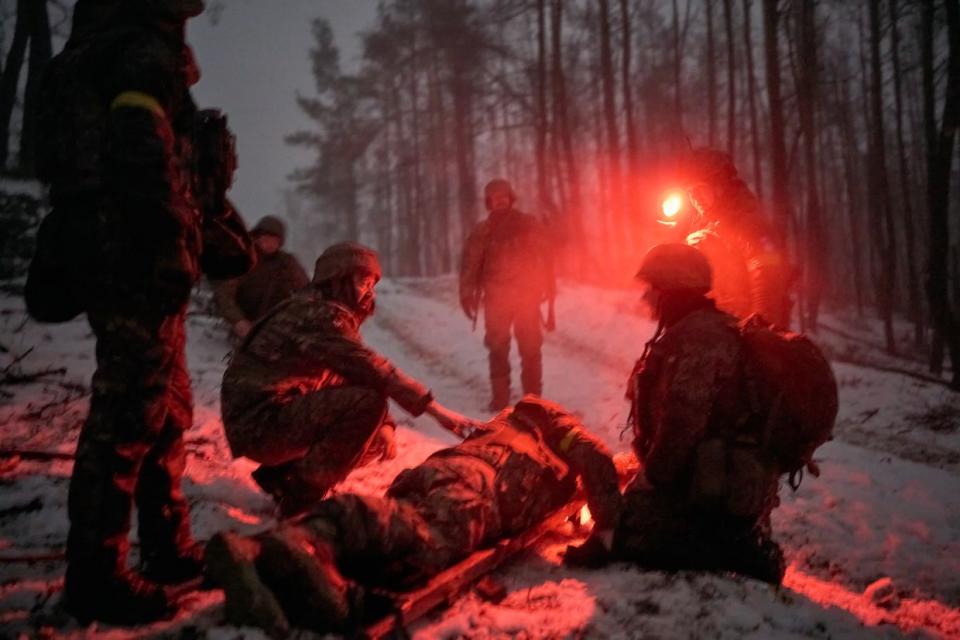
<point x="883" y="232"/>
<point x="940" y="143"/>
<point x="711" y="79"/>
<point x="751" y="98"/>
<point x="543" y="195"/>
<point x="10" y="79"/>
<point x="731" y="80"/>
<point x="815" y="238"/>
<point x="778" y="149"/>
<point x="610" y="122"/>
<point x="913" y="280"/>
<point x="41" y="50"/>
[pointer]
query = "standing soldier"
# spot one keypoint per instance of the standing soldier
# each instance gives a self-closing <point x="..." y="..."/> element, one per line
<point x="508" y="267"/>
<point x="750" y="272"/>
<point x="242" y="301"/>
<point x="305" y="397"/>
<point x="117" y="121"/>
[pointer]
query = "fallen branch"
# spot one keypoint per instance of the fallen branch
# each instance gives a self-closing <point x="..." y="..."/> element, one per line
<point x="19" y="377"/>
<point x="34" y="454"/>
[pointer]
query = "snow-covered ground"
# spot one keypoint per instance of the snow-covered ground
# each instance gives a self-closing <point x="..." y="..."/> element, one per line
<point x="873" y="544"/>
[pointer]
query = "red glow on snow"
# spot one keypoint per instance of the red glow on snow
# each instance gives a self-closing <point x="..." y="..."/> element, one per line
<point x="242" y="516"/>
<point x="908" y="613"/>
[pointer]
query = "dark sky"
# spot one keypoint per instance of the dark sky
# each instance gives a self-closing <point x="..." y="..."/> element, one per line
<point x="254" y="61"/>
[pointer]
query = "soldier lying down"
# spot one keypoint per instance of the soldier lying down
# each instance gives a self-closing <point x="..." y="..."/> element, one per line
<point x="498" y="482"/>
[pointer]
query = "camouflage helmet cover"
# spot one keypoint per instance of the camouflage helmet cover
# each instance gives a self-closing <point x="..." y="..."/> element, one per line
<point x="676" y="267"/>
<point x="343" y="259"/>
<point x="496" y="186"/>
<point x="270" y="225"/>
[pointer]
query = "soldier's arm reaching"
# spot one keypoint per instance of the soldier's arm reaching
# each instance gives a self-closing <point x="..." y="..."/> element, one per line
<point x="225" y="298"/>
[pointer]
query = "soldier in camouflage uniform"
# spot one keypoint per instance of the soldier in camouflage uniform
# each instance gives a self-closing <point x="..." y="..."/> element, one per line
<point x="751" y="274"/>
<point x="508" y="267"/>
<point x="305" y="397"/>
<point x="704" y="498"/>
<point x="500" y="481"/>
<point x="242" y="301"/>
<point x="119" y="173"/>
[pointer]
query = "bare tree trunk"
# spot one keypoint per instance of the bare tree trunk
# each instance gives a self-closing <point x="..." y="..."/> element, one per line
<point x="610" y="121"/>
<point x="883" y="234"/>
<point x="853" y="184"/>
<point x="731" y="80"/>
<point x="10" y="79"/>
<point x="677" y="66"/>
<point x="541" y="109"/>
<point x="778" y="149"/>
<point x="751" y="99"/>
<point x="939" y="160"/>
<point x="463" y="126"/>
<point x="574" y="222"/>
<point x="913" y="279"/>
<point x="806" y="103"/>
<point x="626" y="83"/>
<point x="711" y="79"/>
<point x="41" y="50"/>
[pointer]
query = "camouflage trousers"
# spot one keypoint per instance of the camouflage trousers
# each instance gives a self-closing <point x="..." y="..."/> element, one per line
<point x="318" y="437"/>
<point x="660" y="530"/>
<point x="504" y="311"/>
<point x="131" y="447"/>
<point x="432" y="516"/>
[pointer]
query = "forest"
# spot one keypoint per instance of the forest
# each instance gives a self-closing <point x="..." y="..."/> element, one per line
<point x="841" y="116"/>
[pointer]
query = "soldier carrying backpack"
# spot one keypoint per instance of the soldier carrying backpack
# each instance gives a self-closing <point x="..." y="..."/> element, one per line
<point x="720" y="411"/>
<point x="129" y="233"/>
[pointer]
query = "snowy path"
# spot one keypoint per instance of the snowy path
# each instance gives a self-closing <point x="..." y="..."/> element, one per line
<point x="882" y="518"/>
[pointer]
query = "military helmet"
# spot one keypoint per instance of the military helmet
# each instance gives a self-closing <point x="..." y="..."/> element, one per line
<point x="676" y="267"/>
<point x="497" y="185"/>
<point x="344" y="259"/>
<point x="176" y="9"/>
<point x="271" y="225"/>
<point x="707" y="165"/>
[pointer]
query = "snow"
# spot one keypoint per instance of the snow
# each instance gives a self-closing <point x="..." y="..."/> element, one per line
<point x="873" y="544"/>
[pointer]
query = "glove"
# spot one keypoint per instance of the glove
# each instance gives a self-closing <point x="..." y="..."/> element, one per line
<point x="592" y="554"/>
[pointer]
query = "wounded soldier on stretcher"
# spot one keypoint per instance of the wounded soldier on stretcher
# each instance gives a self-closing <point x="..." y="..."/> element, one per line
<point x="311" y="571"/>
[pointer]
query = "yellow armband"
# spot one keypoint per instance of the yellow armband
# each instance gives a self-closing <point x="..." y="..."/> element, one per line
<point x="138" y="100"/>
<point x="568" y="439"/>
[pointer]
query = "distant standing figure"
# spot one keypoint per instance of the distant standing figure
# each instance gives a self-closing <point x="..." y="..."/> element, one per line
<point x="242" y="301"/>
<point x="507" y="267"/>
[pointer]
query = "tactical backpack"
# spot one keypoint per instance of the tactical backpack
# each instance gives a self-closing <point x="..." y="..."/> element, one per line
<point x="793" y="392"/>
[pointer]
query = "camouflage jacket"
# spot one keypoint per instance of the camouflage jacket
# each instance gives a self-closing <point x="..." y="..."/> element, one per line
<point x="508" y="251"/>
<point x="116" y="116"/>
<point x="536" y="455"/>
<point x="304" y="345"/>
<point x="274" y="279"/>
<point x="688" y="387"/>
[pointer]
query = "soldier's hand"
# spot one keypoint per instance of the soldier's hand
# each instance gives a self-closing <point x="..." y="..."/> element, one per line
<point x="452" y="421"/>
<point x="388" y="442"/>
<point x="242" y="328"/>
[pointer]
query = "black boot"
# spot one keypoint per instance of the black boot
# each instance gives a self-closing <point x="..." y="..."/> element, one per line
<point x="123" y="599"/>
<point x="230" y="564"/>
<point x="302" y="572"/>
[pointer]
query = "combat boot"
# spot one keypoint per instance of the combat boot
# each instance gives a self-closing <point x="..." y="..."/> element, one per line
<point x="303" y="573"/>
<point x="122" y="599"/>
<point x="230" y="564"/>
